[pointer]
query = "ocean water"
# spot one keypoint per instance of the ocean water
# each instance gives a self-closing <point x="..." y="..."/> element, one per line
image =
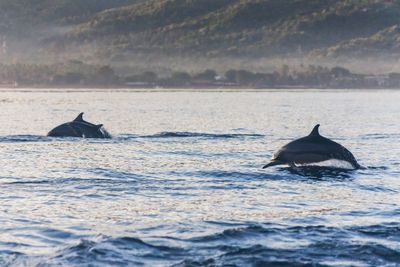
<point x="181" y="183"/>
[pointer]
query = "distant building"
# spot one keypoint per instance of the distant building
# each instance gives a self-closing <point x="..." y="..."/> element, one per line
<point x="3" y="45"/>
<point x="376" y="80"/>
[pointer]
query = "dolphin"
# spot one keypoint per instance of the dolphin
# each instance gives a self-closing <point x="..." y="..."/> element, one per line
<point x="79" y="128"/>
<point x="312" y="149"/>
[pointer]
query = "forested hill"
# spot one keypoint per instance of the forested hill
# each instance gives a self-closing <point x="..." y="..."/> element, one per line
<point x="23" y="16"/>
<point x="114" y="29"/>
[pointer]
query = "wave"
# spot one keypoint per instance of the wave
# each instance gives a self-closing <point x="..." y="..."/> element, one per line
<point x="11" y="258"/>
<point x="285" y="173"/>
<point x="122" y="137"/>
<point x="251" y="245"/>
<point x="23" y="138"/>
<point x="321" y="172"/>
<point x="115" y="252"/>
<point x="200" y="135"/>
<point x="43" y="138"/>
<point x="109" y="173"/>
<point x="380" y="136"/>
<point x="299" y="246"/>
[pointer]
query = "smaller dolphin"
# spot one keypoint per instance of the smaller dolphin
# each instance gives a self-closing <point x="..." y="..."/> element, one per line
<point x="312" y="149"/>
<point x="79" y="128"/>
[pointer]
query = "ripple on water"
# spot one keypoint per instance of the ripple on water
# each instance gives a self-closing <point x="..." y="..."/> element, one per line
<point x="201" y="135"/>
<point x="181" y="181"/>
<point x="24" y="138"/>
<point x="252" y="245"/>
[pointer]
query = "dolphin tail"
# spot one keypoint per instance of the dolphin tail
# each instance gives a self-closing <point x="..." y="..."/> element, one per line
<point x="348" y="156"/>
<point x="358" y="166"/>
<point x="273" y="163"/>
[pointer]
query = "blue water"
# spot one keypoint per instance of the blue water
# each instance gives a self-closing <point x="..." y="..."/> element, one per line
<point x="181" y="183"/>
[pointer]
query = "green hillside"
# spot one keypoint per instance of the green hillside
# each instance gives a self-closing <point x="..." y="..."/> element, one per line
<point x="21" y="17"/>
<point x="115" y="30"/>
<point x="234" y="27"/>
<point x="383" y="43"/>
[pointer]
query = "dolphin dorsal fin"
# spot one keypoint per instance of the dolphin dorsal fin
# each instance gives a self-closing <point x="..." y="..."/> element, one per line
<point x="315" y="131"/>
<point x="80" y="117"/>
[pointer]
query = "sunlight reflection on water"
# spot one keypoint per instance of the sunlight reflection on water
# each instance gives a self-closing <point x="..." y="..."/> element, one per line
<point x="181" y="182"/>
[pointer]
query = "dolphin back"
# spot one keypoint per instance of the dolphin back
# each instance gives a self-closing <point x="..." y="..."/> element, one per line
<point x="64" y="130"/>
<point x="312" y="149"/>
<point x="80" y="128"/>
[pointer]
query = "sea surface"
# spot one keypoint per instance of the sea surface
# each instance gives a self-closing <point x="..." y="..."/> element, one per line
<point x="181" y="183"/>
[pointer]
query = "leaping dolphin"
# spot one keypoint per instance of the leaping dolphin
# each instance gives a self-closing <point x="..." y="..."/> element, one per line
<point x="79" y="128"/>
<point x="312" y="149"/>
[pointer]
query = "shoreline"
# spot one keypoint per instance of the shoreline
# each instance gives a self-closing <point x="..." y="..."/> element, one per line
<point x="186" y="87"/>
<point x="183" y="89"/>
